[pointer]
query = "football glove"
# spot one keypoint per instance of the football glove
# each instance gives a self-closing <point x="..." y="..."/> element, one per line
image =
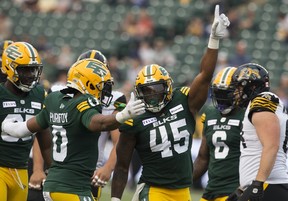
<point x="254" y="192"/>
<point x="133" y="108"/>
<point x="235" y="195"/>
<point x="218" y="28"/>
<point x="96" y="181"/>
<point x="16" y="129"/>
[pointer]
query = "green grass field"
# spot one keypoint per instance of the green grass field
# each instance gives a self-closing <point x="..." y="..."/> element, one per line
<point x="128" y="194"/>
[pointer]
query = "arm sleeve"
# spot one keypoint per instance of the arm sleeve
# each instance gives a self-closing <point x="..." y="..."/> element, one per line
<point x="42" y="118"/>
<point x="263" y="102"/>
<point x="87" y="116"/>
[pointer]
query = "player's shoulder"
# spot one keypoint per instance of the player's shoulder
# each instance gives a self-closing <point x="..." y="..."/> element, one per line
<point x="39" y="89"/>
<point x="87" y="101"/>
<point x="181" y="91"/>
<point x="265" y="101"/>
<point x="265" y="98"/>
<point x="3" y="90"/>
<point x="138" y="123"/>
<point x="209" y="111"/>
<point x="117" y="95"/>
<point x="119" y="101"/>
<point x="54" y="94"/>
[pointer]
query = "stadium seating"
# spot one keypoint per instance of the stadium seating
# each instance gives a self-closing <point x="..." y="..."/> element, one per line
<point x="98" y="27"/>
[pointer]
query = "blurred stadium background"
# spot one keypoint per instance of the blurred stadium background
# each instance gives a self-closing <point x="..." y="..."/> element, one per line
<point x="127" y="31"/>
<point x="80" y="25"/>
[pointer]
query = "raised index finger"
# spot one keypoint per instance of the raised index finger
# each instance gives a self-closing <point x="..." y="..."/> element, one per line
<point x="132" y="96"/>
<point x="216" y="12"/>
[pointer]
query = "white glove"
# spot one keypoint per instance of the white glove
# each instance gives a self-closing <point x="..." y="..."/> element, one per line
<point x="96" y="181"/>
<point x="115" y="199"/>
<point x="218" y="28"/>
<point x="133" y="108"/>
<point x="16" y="129"/>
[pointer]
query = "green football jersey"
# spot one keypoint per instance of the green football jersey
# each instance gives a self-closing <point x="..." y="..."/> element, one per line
<point x="14" y="152"/>
<point x="75" y="149"/>
<point x="223" y="139"/>
<point x="163" y="142"/>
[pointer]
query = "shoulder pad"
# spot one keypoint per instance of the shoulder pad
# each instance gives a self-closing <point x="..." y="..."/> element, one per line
<point x="265" y="102"/>
<point x="89" y="103"/>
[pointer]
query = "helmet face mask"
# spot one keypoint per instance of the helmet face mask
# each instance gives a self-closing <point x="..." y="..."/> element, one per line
<point x="222" y="92"/>
<point x="106" y="93"/>
<point x="154" y="87"/>
<point x="249" y="80"/>
<point x="223" y="100"/>
<point x="22" y="64"/>
<point x="153" y="95"/>
<point x="28" y="76"/>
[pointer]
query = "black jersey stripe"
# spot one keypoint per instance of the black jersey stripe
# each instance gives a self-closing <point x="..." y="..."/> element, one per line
<point x="260" y="102"/>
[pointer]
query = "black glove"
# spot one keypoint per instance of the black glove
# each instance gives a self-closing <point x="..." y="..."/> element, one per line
<point x="254" y="192"/>
<point x="235" y="195"/>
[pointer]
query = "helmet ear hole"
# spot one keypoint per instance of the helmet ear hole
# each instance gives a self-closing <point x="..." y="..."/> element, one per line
<point x="92" y="87"/>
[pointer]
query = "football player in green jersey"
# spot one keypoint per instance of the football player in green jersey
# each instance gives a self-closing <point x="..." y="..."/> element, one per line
<point x="163" y="135"/>
<point x="219" y="151"/>
<point x="21" y="98"/>
<point x="74" y="116"/>
<point x="104" y="168"/>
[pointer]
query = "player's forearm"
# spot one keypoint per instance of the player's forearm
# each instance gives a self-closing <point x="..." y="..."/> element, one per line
<point x="16" y="129"/>
<point x="208" y="64"/>
<point x="118" y="183"/>
<point x="45" y="144"/>
<point x="267" y="161"/>
<point x="38" y="162"/>
<point x="200" y="167"/>
<point x="111" y="162"/>
<point x="103" y="123"/>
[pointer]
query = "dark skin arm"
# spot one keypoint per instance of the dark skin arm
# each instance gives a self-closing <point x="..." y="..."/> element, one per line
<point x="38" y="166"/>
<point x="104" y="173"/>
<point x="202" y="160"/>
<point x="102" y="122"/>
<point x="45" y="143"/>
<point x="199" y="87"/>
<point x="124" y="150"/>
<point x="98" y="123"/>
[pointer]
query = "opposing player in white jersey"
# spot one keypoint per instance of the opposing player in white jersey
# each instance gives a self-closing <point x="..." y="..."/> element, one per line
<point x="262" y="169"/>
<point x="105" y="168"/>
